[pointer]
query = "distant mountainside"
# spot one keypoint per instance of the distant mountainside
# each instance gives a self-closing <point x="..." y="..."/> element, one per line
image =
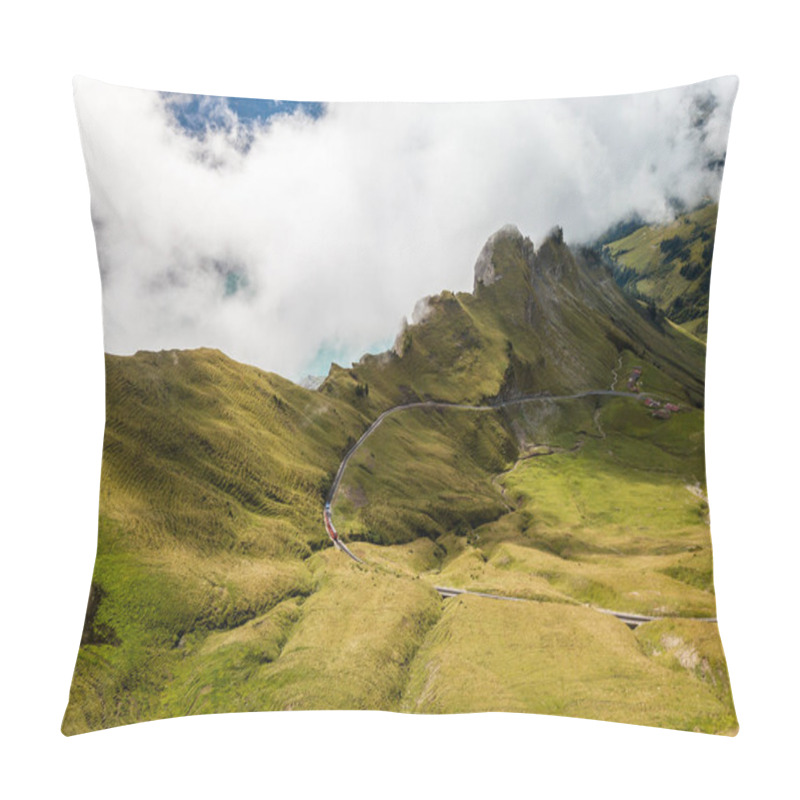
<point x="215" y="588"/>
<point x="668" y="265"/>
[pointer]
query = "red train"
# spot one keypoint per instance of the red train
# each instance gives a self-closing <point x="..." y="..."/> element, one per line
<point x="329" y="523"/>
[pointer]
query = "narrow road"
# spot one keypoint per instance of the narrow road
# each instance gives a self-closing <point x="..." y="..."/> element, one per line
<point x="631" y="620"/>
<point x="459" y="407"/>
<point x="328" y="514"/>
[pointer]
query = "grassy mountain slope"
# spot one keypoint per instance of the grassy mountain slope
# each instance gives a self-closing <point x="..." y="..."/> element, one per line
<point x="202" y="450"/>
<point x="214" y="474"/>
<point x="554" y="659"/>
<point x="670" y="265"/>
<point x="215" y="588"/>
<point x="426" y="473"/>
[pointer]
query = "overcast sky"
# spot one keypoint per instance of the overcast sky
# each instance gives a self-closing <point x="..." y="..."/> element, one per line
<point x="287" y="235"/>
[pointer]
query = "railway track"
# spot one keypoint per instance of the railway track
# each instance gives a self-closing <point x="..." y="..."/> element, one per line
<point x="446" y="592"/>
<point x="631" y="620"/>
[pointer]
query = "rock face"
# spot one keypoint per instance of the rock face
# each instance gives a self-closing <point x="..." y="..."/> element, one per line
<point x="485" y="273"/>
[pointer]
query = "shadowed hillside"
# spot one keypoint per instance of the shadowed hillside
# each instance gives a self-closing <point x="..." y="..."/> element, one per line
<point x="203" y="451"/>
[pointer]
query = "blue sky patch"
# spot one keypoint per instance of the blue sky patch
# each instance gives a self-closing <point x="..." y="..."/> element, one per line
<point x="194" y="113"/>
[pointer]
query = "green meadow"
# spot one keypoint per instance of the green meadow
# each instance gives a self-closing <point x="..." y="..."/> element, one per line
<point x="606" y="510"/>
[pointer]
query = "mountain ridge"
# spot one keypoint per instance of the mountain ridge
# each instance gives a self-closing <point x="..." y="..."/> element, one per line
<point x="538" y="319"/>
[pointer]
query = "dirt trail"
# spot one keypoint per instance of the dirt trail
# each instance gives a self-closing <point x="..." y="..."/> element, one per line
<point x="596" y="419"/>
<point x="615" y="373"/>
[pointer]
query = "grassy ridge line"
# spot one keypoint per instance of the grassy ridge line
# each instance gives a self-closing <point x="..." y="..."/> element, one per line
<point x="217" y="454"/>
<point x="348" y="645"/>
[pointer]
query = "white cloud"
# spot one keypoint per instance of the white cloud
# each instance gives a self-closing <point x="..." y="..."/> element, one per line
<point x="323" y="234"/>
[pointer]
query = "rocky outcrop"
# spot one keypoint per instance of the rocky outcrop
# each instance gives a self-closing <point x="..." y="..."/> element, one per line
<point x="485" y="272"/>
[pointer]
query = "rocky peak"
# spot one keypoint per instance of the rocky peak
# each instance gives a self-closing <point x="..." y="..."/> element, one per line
<point x="553" y="256"/>
<point x="486" y="268"/>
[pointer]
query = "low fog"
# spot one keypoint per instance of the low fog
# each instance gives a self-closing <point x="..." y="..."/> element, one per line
<point x="282" y="241"/>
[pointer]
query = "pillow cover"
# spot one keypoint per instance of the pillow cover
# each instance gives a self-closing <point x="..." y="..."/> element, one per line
<point x="404" y="407"/>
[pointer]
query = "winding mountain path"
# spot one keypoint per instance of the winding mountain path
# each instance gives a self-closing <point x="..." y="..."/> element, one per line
<point x="459" y="407"/>
<point x="631" y="620"/>
<point x="438" y="404"/>
<point x="615" y="373"/>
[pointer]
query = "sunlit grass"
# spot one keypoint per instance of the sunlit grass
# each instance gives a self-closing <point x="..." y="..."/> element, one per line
<point x="554" y="659"/>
